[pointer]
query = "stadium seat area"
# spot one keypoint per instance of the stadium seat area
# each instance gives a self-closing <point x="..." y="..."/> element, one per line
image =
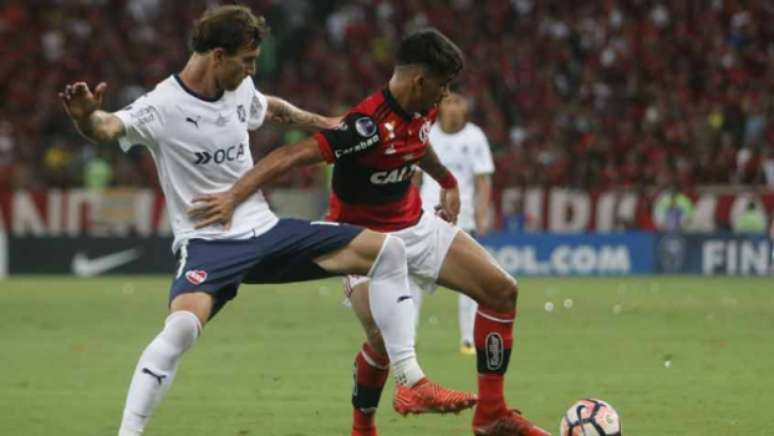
<point x="649" y="93"/>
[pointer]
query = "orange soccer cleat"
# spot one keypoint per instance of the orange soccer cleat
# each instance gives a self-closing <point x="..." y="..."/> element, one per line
<point x="428" y="397"/>
<point x="509" y="424"/>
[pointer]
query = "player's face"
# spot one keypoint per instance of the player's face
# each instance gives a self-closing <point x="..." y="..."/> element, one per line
<point x="232" y="69"/>
<point x="433" y="89"/>
<point x="454" y="110"/>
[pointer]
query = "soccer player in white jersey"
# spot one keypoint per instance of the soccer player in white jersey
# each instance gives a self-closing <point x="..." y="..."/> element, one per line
<point x="195" y="124"/>
<point x="464" y="149"/>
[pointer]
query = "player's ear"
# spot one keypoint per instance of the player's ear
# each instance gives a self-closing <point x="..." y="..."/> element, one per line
<point x="217" y="55"/>
<point x="420" y="81"/>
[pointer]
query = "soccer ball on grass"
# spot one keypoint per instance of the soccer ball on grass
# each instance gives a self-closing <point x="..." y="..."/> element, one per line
<point x="590" y="417"/>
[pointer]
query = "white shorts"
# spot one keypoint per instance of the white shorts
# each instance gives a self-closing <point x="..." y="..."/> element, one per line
<point x="427" y="243"/>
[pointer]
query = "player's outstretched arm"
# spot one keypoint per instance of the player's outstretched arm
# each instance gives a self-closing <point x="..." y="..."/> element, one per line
<point x="219" y="208"/>
<point x="449" y="203"/>
<point x="83" y="107"/>
<point x="282" y="111"/>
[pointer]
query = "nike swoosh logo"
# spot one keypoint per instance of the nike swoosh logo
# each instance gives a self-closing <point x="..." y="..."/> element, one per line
<point x="404" y="298"/>
<point x="82" y="266"/>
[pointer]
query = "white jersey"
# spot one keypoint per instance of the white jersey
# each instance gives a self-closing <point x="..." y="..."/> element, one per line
<point x="466" y="153"/>
<point x="200" y="146"/>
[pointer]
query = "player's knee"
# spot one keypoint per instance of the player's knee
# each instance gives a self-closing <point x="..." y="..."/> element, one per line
<point x="181" y="329"/>
<point x="503" y="294"/>
<point x="393" y="253"/>
<point x="394" y="247"/>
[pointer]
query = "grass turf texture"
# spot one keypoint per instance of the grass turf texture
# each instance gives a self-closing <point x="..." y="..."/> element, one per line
<point x="278" y="359"/>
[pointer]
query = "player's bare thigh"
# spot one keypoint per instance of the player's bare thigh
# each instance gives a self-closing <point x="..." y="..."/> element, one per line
<point x="356" y="257"/>
<point x="470" y="269"/>
<point x="199" y="303"/>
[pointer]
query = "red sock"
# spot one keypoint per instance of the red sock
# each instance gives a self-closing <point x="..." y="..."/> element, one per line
<point x="371" y="370"/>
<point x="493" y="335"/>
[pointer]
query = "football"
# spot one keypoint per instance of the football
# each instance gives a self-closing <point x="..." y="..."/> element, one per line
<point x="590" y="417"/>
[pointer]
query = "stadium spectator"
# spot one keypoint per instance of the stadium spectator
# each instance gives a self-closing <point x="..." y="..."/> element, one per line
<point x="672" y="211"/>
<point x="645" y="92"/>
<point x="97" y="171"/>
<point x="752" y="220"/>
<point x="516" y="218"/>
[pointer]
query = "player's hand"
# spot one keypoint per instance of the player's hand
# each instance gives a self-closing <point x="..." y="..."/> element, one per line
<point x="78" y="100"/>
<point x="213" y="209"/>
<point x="449" y="208"/>
<point x="333" y="122"/>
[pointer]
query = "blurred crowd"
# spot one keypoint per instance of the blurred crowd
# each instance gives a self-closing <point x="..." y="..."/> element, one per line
<point x="593" y="94"/>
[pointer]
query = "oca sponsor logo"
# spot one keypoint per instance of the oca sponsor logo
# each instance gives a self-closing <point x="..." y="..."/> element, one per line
<point x="230" y="154"/>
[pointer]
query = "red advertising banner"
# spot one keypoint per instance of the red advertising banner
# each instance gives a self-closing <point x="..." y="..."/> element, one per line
<point x="84" y="213"/>
<point x="142" y="212"/>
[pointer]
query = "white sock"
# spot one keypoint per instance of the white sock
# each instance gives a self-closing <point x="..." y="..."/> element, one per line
<point x="416" y="295"/>
<point x="467" y="317"/>
<point x="156" y="370"/>
<point x="407" y="372"/>
<point x="393" y="310"/>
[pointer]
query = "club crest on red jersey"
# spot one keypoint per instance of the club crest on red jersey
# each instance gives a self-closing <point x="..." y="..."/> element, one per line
<point x="390" y="128"/>
<point x="196" y="276"/>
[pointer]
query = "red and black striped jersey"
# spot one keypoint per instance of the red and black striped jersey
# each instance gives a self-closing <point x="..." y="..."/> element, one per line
<point x="374" y="150"/>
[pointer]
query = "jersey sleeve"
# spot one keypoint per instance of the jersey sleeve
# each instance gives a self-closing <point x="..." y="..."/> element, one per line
<point x="258" y="108"/>
<point x="433" y="114"/>
<point x="482" y="156"/>
<point x="356" y="134"/>
<point x="143" y="121"/>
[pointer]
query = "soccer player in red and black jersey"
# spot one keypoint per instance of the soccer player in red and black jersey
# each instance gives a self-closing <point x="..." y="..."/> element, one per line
<point x="374" y="151"/>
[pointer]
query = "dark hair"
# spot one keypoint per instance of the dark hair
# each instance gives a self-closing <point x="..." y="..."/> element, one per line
<point x="229" y="27"/>
<point x="431" y="49"/>
<point x="457" y="87"/>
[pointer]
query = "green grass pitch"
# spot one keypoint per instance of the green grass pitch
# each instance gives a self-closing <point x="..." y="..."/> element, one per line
<point x="278" y="359"/>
